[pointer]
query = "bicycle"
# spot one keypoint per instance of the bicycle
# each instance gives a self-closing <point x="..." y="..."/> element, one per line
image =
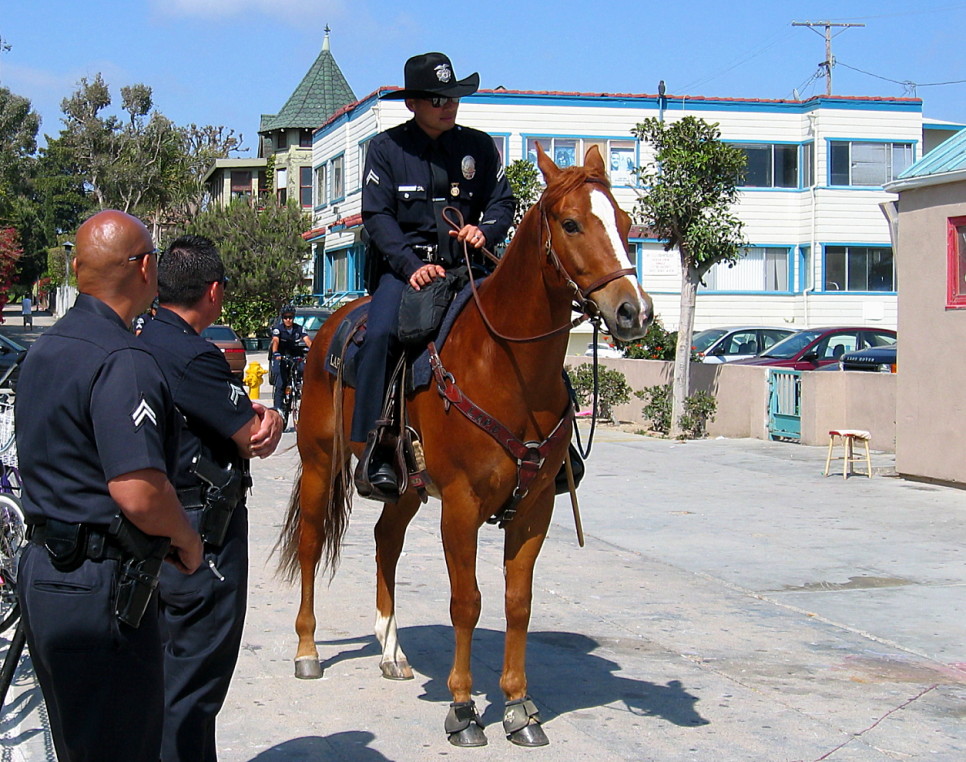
<point x="291" y="369"/>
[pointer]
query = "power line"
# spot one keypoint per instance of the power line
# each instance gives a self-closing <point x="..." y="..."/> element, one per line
<point x="909" y="85"/>
<point x="829" y="61"/>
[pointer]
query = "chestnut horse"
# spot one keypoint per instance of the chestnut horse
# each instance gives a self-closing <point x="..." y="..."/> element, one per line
<point x="505" y="352"/>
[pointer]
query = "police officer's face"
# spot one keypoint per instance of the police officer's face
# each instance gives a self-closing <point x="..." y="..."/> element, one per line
<point x="434" y="120"/>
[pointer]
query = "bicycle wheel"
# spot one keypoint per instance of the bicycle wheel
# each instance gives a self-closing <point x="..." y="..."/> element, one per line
<point x="296" y="403"/>
<point x="10" y="481"/>
<point x="8" y="437"/>
<point x="13" y="531"/>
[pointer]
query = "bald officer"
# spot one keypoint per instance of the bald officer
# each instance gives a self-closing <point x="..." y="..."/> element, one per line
<point x="97" y="437"/>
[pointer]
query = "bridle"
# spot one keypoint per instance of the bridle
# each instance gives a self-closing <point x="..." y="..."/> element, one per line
<point x="580" y="297"/>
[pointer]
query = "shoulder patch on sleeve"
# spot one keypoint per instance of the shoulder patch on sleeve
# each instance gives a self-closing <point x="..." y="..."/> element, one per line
<point x="235" y="393"/>
<point x="143" y="412"/>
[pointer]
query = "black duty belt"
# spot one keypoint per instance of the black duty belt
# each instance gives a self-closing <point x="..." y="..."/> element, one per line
<point x="427" y="253"/>
<point x="99" y="545"/>
<point x="192" y="497"/>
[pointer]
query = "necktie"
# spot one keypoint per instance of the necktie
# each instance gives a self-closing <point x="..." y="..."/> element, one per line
<point x="437" y="166"/>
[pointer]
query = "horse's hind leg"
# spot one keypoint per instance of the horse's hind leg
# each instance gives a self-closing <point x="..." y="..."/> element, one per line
<point x="390" y="533"/>
<point x="314" y="502"/>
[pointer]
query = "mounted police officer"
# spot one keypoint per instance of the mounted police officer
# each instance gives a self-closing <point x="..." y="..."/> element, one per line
<point x="202" y="615"/>
<point x="97" y="436"/>
<point x="288" y="340"/>
<point x="412" y="172"/>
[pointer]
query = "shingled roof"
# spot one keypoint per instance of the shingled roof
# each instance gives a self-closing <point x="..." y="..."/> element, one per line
<point x="322" y="92"/>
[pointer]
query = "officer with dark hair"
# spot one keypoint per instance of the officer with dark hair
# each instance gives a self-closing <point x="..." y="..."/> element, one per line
<point x="412" y="173"/>
<point x="288" y="340"/>
<point x="97" y="436"/>
<point x="202" y="615"/>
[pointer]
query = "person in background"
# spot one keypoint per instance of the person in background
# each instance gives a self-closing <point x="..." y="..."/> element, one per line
<point x="202" y="615"/>
<point x="97" y="437"/>
<point x="27" y="310"/>
<point x="288" y="340"/>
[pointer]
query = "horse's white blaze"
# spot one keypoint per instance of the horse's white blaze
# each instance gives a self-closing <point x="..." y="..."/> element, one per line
<point x="386" y="635"/>
<point x="603" y="210"/>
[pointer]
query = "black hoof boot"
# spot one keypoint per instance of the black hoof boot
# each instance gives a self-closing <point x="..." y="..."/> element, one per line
<point x="521" y="722"/>
<point x="463" y="725"/>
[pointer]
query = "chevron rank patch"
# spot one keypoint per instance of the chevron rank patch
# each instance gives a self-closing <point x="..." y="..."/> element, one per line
<point x="235" y="393"/>
<point x="143" y="412"/>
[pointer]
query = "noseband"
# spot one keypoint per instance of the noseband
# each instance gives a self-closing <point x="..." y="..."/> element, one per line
<point x="581" y="301"/>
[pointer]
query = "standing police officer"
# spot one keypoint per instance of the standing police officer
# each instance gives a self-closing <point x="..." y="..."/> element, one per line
<point x="202" y="615"/>
<point x="97" y="434"/>
<point x="412" y="172"/>
<point x="288" y="338"/>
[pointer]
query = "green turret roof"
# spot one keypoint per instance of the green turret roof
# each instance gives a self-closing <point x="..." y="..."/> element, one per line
<point x="322" y="92"/>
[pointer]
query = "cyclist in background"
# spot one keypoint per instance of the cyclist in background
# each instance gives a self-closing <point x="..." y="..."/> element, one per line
<point x="288" y="340"/>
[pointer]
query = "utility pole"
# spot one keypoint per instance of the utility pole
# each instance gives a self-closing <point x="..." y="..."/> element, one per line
<point x="829" y="61"/>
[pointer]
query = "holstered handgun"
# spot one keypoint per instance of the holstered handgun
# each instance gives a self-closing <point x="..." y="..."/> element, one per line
<point x="138" y="571"/>
<point x="225" y="488"/>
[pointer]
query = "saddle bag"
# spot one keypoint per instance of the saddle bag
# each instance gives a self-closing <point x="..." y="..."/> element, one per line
<point x="421" y="312"/>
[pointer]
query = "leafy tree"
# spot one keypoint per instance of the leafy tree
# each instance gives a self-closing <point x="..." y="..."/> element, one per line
<point x="264" y="255"/>
<point x="10" y="252"/>
<point x="691" y="189"/>
<point x="525" y="185"/>
<point x="18" y="143"/>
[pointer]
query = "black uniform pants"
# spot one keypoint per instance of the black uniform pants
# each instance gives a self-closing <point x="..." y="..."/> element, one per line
<point x="202" y="618"/>
<point x="101" y="679"/>
<point x="377" y="355"/>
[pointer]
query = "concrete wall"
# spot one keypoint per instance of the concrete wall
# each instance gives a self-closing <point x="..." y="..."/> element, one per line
<point x="830" y="399"/>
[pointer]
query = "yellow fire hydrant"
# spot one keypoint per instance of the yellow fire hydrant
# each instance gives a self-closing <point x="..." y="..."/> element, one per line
<point x="253" y="379"/>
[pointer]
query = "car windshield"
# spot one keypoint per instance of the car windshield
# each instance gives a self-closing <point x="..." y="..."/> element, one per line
<point x="219" y="333"/>
<point x="704" y="339"/>
<point x="792" y="345"/>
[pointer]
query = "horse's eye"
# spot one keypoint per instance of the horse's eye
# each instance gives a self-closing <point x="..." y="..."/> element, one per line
<point x="570" y="226"/>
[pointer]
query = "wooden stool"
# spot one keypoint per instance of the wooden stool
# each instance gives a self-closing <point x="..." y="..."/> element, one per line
<point x="848" y="438"/>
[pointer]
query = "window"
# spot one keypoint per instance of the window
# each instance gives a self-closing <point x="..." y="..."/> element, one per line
<point x="321" y="187"/>
<point x="337" y="171"/>
<point x="859" y="268"/>
<point x="241" y="184"/>
<point x="305" y="186"/>
<point x="956" y="263"/>
<point x="363" y="155"/>
<point x="619" y="155"/>
<point x="305" y="138"/>
<point x="500" y="142"/>
<point x="281" y="185"/>
<point x="808" y="165"/>
<point x="867" y="163"/>
<point x="281" y="140"/>
<point x="770" y="165"/>
<point x="761" y="268"/>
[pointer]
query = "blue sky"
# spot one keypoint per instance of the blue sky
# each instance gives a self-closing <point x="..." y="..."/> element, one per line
<point x="228" y="61"/>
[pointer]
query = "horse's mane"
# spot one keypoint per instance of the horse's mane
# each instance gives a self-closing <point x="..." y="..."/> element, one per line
<point x="567" y="181"/>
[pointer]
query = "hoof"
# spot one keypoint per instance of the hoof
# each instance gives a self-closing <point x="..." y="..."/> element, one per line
<point x="396" y="670"/>
<point x="308" y="668"/>
<point x="469" y="737"/>
<point x="463" y="725"/>
<point x="530" y="735"/>
<point x="521" y="723"/>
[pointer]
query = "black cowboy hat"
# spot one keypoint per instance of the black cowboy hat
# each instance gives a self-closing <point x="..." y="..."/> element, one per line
<point x="432" y="74"/>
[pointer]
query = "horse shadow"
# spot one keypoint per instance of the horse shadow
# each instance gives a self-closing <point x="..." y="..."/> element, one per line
<point x="20" y="720"/>
<point x="564" y="673"/>
<point x="352" y="745"/>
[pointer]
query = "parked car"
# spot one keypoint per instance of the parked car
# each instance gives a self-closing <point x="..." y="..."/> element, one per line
<point x="879" y="359"/>
<point x="231" y="346"/>
<point x="718" y="345"/>
<point x="603" y="350"/>
<point x="10" y="350"/>
<point x="311" y="319"/>
<point x="817" y="347"/>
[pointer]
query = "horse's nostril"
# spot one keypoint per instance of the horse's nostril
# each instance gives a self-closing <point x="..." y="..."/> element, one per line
<point x="627" y="315"/>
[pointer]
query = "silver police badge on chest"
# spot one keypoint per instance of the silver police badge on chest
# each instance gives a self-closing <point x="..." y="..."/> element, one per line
<point x="468" y="165"/>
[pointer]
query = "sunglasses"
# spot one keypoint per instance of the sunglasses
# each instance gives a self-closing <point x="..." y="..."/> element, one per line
<point x="288" y="317"/>
<point x="439" y="101"/>
<point x="143" y="255"/>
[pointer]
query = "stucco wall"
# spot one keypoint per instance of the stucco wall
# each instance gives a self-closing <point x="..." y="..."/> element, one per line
<point x="930" y="431"/>
<point x="830" y="399"/>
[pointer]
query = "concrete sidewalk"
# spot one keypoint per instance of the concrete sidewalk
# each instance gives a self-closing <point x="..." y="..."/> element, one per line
<point x="731" y="603"/>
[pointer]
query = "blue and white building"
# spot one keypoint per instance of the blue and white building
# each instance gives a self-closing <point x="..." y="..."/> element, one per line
<point x="820" y="249"/>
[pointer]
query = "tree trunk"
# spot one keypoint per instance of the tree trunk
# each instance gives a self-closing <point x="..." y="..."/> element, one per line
<point x="682" y="356"/>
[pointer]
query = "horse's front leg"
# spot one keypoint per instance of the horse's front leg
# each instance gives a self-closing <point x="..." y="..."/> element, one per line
<point x="390" y="533"/>
<point x="524" y="537"/>
<point x="459" y="528"/>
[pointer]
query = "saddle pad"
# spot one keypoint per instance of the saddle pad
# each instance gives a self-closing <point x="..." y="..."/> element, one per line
<point x="421" y="373"/>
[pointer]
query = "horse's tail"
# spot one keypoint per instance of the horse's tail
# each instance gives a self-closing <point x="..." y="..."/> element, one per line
<point x="335" y="513"/>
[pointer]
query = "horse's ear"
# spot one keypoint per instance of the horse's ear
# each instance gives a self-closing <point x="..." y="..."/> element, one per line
<point x="594" y="162"/>
<point x="547" y="167"/>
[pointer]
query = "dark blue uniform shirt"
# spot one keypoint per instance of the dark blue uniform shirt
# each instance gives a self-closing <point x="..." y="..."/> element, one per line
<point x="289" y="339"/>
<point x="91" y="405"/>
<point x="212" y="402"/>
<point x="397" y="207"/>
